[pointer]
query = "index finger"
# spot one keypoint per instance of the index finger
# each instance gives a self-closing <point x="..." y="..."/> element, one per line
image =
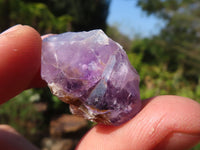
<point x="20" y="51"/>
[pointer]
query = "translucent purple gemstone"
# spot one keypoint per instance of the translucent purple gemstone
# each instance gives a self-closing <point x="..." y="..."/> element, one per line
<point x="92" y="73"/>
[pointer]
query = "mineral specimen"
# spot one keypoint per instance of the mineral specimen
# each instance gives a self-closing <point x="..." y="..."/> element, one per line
<point x="92" y="73"/>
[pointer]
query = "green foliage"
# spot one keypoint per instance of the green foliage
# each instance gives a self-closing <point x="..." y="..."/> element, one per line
<point x="21" y="114"/>
<point x="181" y="33"/>
<point x="36" y="15"/>
<point x="154" y="67"/>
<point x="197" y="147"/>
<point x="89" y="14"/>
<point x="85" y="15"/>
<point x="54" y="16"/>
<point x="170" y="61"/>
<point x="117" y="36"/>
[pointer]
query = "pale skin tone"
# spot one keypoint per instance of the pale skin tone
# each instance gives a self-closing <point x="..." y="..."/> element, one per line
<point x="164" y="123"/>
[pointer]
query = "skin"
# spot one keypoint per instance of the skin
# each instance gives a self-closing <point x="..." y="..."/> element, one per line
<point x="164" y="123"/>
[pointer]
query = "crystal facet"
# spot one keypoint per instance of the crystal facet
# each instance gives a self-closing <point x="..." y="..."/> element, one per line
<point x="92" y="73"/>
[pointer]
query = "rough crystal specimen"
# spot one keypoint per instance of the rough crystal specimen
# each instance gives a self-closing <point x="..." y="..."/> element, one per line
<point x="92" y="73"/>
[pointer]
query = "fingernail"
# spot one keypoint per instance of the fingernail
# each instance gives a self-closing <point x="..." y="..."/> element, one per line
<point x="13" y="28"/>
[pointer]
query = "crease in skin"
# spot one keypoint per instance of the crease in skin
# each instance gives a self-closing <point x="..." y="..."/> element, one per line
<point x="156" y="126"/>
<point x="159" y="130"/>
<point x="167" y="133"/>
<point x="164" y="142"/>
<point x="178" y="141"/>
<point x="154" y="132"/>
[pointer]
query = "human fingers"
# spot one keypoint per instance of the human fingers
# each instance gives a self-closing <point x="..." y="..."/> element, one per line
<point x="20" y="51"/>
<point x="165" y="122"/>
<point x="12" y="140"/>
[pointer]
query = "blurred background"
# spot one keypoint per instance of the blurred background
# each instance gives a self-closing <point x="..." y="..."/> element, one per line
<point x="161" y="38"/>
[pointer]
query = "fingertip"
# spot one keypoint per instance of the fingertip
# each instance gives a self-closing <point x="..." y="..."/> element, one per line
<point x="10" y="139"/>
<point x="20" y="51"/>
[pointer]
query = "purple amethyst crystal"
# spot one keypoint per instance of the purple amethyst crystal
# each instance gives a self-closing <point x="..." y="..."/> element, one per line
<point x="92" y="73"/>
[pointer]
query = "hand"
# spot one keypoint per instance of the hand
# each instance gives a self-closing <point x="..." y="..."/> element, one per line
<point x="165" y="122"/>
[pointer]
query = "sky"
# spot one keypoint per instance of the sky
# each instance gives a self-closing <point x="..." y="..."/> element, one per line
<point x="131" y="20"/>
